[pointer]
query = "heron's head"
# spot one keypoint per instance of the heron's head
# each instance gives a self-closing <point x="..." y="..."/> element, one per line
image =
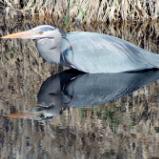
<point x="48" y="41"/>
<point x="39" y="32"/>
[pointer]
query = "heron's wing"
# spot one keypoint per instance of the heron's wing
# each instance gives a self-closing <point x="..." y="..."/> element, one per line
<point x="99" y="53"/>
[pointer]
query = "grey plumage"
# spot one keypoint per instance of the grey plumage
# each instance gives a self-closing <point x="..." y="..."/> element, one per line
<point x="95" y="53"/>
<point x="99" y="53"/>
<point x="89" y="52"/>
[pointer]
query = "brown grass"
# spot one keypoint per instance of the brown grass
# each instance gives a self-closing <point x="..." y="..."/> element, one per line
<point x="87" y="10"/>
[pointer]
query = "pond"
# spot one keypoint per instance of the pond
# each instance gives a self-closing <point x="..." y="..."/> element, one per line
<point x="91" y="116"/>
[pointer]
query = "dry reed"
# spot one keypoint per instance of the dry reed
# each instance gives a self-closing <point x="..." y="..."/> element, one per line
<point x="86" y="10"/>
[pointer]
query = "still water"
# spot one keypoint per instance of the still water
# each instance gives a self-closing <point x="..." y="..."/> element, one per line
<point x="100" y="116"/>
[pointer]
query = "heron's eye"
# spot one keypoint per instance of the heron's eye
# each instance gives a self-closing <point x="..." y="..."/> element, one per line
<point x="41" y="32"/>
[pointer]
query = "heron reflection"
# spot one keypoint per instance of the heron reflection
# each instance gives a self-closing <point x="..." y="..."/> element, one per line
<point x="74" y="89"/>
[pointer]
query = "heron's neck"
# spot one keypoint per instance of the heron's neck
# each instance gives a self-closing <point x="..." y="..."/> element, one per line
<point x="55" y="55"/>
<point x="66" y="50"/>
<point x="49" y="50"/>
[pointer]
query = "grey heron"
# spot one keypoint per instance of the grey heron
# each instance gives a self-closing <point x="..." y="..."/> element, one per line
<point x="87" y="51"/>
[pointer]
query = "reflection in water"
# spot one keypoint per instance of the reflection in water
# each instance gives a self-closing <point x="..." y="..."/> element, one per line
<point x="126" y="128"/>
<point x="74" y="89"/>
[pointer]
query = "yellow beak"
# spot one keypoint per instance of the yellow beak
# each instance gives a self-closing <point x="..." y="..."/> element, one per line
<point x="19" y="35"/>
<point x="21" y="116"/>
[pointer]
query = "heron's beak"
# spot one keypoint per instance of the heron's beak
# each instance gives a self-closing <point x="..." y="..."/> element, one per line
<point x="27" y="115"/>
<point x="19" y="35"/>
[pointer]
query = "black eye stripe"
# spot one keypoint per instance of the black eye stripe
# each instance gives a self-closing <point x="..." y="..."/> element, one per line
<point x="52" y="48"/>
<point x="48" y="29"/>
<point x="45" y="30"/>
<point x="47" y="38"/>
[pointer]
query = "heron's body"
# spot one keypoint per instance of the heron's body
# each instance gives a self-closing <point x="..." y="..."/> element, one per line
<point x="89" y="52"/>
<point x="98" y="53"/>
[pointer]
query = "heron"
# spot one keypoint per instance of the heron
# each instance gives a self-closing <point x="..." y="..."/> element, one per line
<point x="88" y="52"/>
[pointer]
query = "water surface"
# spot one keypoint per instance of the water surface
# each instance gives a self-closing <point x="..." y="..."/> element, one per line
<point x="87" y="118"/>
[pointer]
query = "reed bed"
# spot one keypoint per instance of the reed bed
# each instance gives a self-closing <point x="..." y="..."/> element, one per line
<point x="85" y="10"/>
